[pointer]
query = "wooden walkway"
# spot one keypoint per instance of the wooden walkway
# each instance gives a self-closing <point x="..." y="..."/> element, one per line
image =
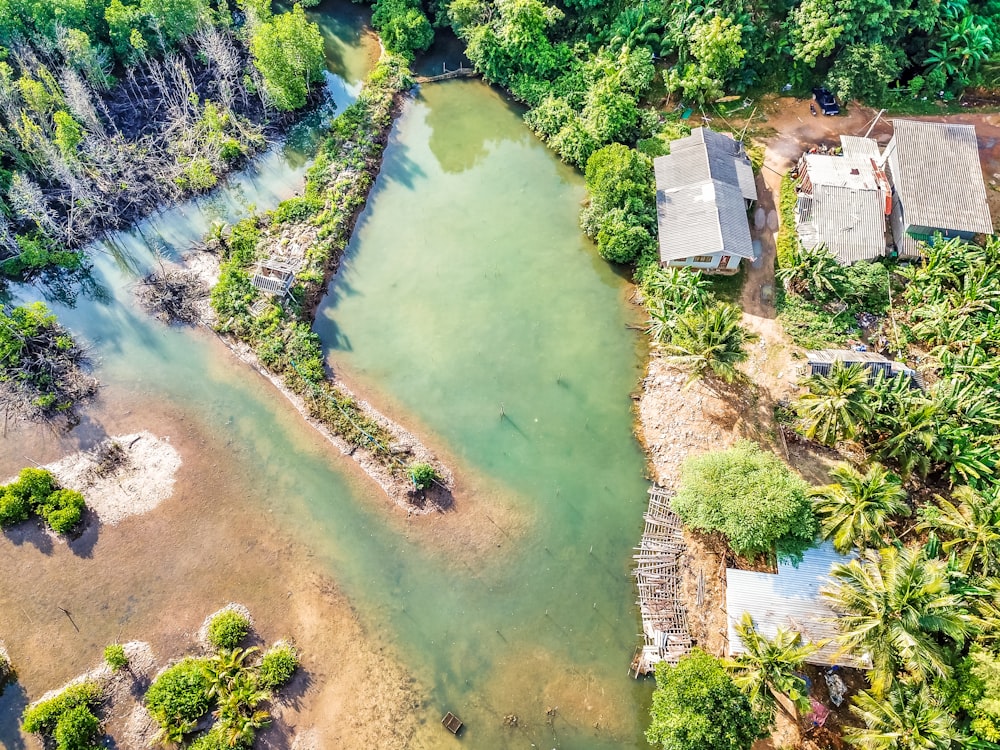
<point x="459" y="72"/>
<point x="658" y="575"/>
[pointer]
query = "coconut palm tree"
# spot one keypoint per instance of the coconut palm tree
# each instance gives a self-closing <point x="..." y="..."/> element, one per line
<point x="904" y="719"/>
<point x="836" y="406"/>
<point x="225" y="668"/>
<point x="767" y="667"/>
<point x="897" y="606"/>
<point x="239" y="731"/>
<point x="710" y="342"/>
<point x="855" y="509"/>
<point x="970" y="523"/>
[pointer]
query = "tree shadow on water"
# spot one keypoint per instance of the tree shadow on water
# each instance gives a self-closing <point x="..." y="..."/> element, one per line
<point x="13" y="701"/>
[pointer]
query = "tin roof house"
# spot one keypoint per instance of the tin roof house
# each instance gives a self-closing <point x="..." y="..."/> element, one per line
<point x="937" y="183"/>
<point x="844" y="201"/>
<point x="703" y="189"/>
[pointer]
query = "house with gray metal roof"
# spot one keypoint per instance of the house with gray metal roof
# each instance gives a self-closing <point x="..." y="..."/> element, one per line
<point x="843" y="202"/>
<point x="937" y="183"/>
<point x="703" y="189"/>
<point x="791" y="599"/>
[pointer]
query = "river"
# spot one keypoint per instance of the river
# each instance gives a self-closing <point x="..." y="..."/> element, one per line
<point x="470" y="306"/>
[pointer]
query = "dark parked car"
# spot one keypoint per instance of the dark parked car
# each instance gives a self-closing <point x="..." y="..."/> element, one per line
<point x="826" y="101"/>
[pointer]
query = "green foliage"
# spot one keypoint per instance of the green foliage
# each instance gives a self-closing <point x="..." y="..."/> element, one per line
<point x="787" y="239"/>
<point x="62" y="510"/>
<point x="76" y="729"/>
<point x="43" y="717"/>
<point x="749" y="496"/>
<point x="621" y="210"/>
<point x="899" y="608"/>
<point x="837" y="405"/>
<point x="970" y="523"/>
<point x="865" y="71"/>
<point x="769" y="667"/>
<point x="14" y="508"/>
<point x="114" y="657"/>
<point x="277" y="666"/>
<point x="287" y="50"/>
<point x="715" y="53"/>
<point x="696" y="706"/>
<point x="423" y="475"/>
<point x="228" y="629"/>
<point x="402" y="26"/>
<point x="709" y="342"/>
<point x="214" y="739"/>
<point x="297" y="209"/>
<point x="908" y="718"/>
<point x="855" y="510"/>
<point x="178" y="698"/>
<point x="975" y="691"/>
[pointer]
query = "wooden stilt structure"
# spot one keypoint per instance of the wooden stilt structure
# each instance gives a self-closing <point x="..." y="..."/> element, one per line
<point x="658" y="576"/>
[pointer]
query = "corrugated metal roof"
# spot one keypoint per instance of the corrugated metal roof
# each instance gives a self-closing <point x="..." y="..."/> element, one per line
<point x="842" y="171"/>
<point x="748" y="185"/>
<point x="938" y="177"/>
<point x="854" y="145"/>
<point x="851" y="223"/>
<point x="700" y="197"/>
<point x="790" y="599"/>
<point x="829" y="356"/>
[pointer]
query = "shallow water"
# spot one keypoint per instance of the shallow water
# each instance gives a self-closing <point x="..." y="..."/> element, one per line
<point x="470" y="306"/>
<point x="469" y="293"/>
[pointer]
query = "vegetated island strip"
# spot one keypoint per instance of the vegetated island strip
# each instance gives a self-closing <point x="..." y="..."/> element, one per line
<point x="275" y="269"/>
<point x="218" y="699"/>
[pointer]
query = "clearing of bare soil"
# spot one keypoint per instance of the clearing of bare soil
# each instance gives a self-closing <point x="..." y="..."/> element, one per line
<point x="123" y="476"/>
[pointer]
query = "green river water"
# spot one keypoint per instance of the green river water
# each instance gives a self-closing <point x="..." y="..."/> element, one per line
<point x="468" y="291"/>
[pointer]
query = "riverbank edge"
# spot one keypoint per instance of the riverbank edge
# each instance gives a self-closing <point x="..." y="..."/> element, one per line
<point x="319" y="226"/>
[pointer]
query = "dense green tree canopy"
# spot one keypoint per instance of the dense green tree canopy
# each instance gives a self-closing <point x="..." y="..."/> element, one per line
<point x="288" y="52"/>
<point x="696" y="706"/>
<point x="750" y="496"/>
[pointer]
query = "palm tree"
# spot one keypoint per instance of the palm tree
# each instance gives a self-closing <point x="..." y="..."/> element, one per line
<point x="836" y="406"/>
<point x="239" y="731"/>
<point x="855" y="509"/>
<point x="912" y="436"/>
<point x="894" y="605"/>
<point x="225" y="668"/>
<point x="970" y="522"/>
<point x="767" y="668"/>
<point x="905" y="719"/>
<point x="710" y="342"/>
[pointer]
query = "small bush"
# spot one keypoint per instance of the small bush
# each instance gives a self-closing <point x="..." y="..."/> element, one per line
<point x="62" y="510"/>
<point x="76" y="729"/>
<point x="423" y="475"/>
<point x="749" y="496"/>
<point x="228" y="629"/>
<point x="14" y="508"/>
<point x="43" y="717"/>
<point x="179" y="696"/>
<point x="114" y="657"/>
<point x="212" y="740"/>
<point x="34" y="486"/>
<point x="277" y="666"/>
<point x="297" y="209"/>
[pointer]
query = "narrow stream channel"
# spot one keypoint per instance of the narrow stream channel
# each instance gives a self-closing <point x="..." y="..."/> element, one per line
<point x="470" y="306"/>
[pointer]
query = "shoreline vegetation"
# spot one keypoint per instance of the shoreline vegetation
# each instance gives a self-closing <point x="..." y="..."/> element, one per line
<point x="304" y="238"/>
<point x="219" y="698"/>
<point x="108" y="111"/>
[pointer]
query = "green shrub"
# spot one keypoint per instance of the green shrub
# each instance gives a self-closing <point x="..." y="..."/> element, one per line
<point x="34" y="486"/>
<point x="423" y="475"/>
<point x="114" y="657"/>
<point x="43" y="717"/>
<point x="787" y="241"/>
<point x="76" y="729"/>
<point x="179" y="696"/>
<point x="228" y="629"/>
<point x="277" y="666"/>
<point x="215" y="739"/>
<point x="14" y="508"/>
<point x="297" y="209"/>
<point x="62" y="510"/>
<point x="696" y="706"/>
<point x="749" y="496"/>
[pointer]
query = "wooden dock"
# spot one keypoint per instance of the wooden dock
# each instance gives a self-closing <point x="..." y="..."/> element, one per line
<point x="447" y="75"/>
<point x="658" y="575"/>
